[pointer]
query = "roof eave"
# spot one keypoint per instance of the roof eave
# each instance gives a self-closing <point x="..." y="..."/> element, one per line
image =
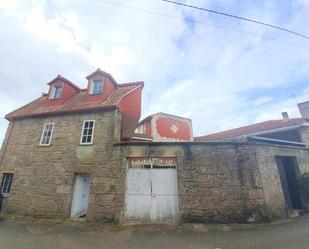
<point x="12" y="118"/>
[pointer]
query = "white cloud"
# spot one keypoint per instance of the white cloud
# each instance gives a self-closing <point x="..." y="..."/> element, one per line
<point x="210" y="74"/>
<point x="262" y="100"/>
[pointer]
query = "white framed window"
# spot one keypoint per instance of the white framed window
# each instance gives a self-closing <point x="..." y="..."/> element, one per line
<point x="87" y="132"/>
<point x="140" y="129"/>
<point x="56" y="91"/>
<point x="6" y="183"/>
<point x="96" y="87"/>
<point x="47" y="134"/>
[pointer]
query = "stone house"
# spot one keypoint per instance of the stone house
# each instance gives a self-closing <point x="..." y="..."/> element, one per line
<point x="74" y="153"/>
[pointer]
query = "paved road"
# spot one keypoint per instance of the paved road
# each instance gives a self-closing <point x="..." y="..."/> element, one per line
<point x="38" y="234"/>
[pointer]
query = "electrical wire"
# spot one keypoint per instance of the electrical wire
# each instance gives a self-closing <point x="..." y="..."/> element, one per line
<point x="199" y="22"/>
<point x="237" y="17"/>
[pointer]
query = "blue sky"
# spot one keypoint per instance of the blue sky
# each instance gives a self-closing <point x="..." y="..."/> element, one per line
<point x="211" y="71"/>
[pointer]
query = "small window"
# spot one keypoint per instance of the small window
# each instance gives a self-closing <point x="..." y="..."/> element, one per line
<point x="57" y="91"/>
<point x="140" y="129"/>
<point x="97" y="86"/>
<point x="6" y="183"/>
<point x="87" y="132"/>
<point x="47" y="134"/>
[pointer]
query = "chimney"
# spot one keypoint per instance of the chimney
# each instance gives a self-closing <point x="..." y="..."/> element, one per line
<point x="285" y="115"/>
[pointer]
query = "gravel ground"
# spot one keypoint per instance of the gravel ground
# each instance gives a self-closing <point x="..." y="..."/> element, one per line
<point x="27" y="233"/>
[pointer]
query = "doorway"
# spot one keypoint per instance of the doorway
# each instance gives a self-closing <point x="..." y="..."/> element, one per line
<point x="289" y="171"/>
<point x="80" y="196"/>
<point x="152" y="190"/>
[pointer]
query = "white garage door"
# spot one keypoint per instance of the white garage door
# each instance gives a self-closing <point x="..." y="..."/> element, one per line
<point x="152" y="190"/>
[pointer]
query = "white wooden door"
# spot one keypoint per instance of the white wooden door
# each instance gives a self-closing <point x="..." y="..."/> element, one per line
<point x="164" y="202"/>
<point x="152" y="194"/>
<point x="81" y="196"/>
<point x="138" y="195"/>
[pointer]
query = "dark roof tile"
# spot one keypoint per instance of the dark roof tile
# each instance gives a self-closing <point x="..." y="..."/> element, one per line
<point x="250" y="129"/>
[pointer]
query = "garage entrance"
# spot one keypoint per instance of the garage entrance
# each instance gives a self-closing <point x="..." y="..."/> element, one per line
<point x="152" y="190"/>
<point x="289" y="171"/>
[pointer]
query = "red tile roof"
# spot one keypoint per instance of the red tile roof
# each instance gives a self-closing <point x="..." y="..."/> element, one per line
<point x="250" y="129"/>
<point x="77" y="103"/>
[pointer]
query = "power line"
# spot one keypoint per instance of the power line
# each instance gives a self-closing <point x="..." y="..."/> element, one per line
<point x="199" y="22"/>
<point x="237" y="17"/>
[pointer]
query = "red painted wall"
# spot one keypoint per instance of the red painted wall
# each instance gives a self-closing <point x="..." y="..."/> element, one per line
<point x="68" y="92"/>
<point x="108" y="87"/>
<point x="130" y="107"/>
<point x="163" y="128"/>
<point x="148" y="128"/>
<point x="131" y="103"/>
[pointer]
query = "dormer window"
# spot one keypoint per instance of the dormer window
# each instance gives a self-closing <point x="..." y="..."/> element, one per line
<point x="96" y="87"/>
<point x="56" y="91"/>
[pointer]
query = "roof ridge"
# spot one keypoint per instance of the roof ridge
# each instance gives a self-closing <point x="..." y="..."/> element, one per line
<point x="131" y="83"/>
<point x="66" y="80"/>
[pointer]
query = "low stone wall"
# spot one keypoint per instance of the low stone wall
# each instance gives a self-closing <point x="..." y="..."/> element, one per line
<point x="266" y="158"/>
<point x="225" y="182"/>
<point x="216" y="182"/>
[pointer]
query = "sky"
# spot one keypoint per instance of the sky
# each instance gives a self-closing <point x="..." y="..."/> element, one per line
<point x="220" y="72"/>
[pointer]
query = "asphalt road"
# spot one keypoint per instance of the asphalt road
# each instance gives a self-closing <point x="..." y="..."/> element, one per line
<point x="51" y="234"/>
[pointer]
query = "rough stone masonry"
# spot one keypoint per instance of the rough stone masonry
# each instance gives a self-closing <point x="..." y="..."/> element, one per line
<point x="217" y="182"/>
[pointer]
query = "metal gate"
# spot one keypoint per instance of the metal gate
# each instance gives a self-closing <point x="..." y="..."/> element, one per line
<point x="152" y="190"/>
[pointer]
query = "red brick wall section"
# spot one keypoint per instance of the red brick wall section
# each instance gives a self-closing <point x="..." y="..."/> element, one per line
<point x="164" y="128"/>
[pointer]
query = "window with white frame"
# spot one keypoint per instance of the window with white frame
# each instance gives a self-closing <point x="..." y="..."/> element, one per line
<point x="140" y="129"/>
<point x="6" y="183"/>
<point x="97" y="86"/>
<point x="87" y="132"/>
<point x="47" y="134"/>
<point x="56" y="91"/>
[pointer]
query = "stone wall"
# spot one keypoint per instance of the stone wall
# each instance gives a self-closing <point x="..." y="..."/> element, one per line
<point x="273" y="194"/>
<point x="304" y="109"/>
<point x="44" y="176"/>
<point x="304" y="133"/>
<point x="216" y="182"/>
<point x="226" y="182"/>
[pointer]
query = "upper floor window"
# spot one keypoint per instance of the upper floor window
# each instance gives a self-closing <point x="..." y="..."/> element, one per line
<point x="87" y="132"/>
<point x="56" y="91"/>
<point x="6" y="183"/>
<point x="47" y="134"/>
<point x="97" y="87"/>
<point x="140" y="129"/>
